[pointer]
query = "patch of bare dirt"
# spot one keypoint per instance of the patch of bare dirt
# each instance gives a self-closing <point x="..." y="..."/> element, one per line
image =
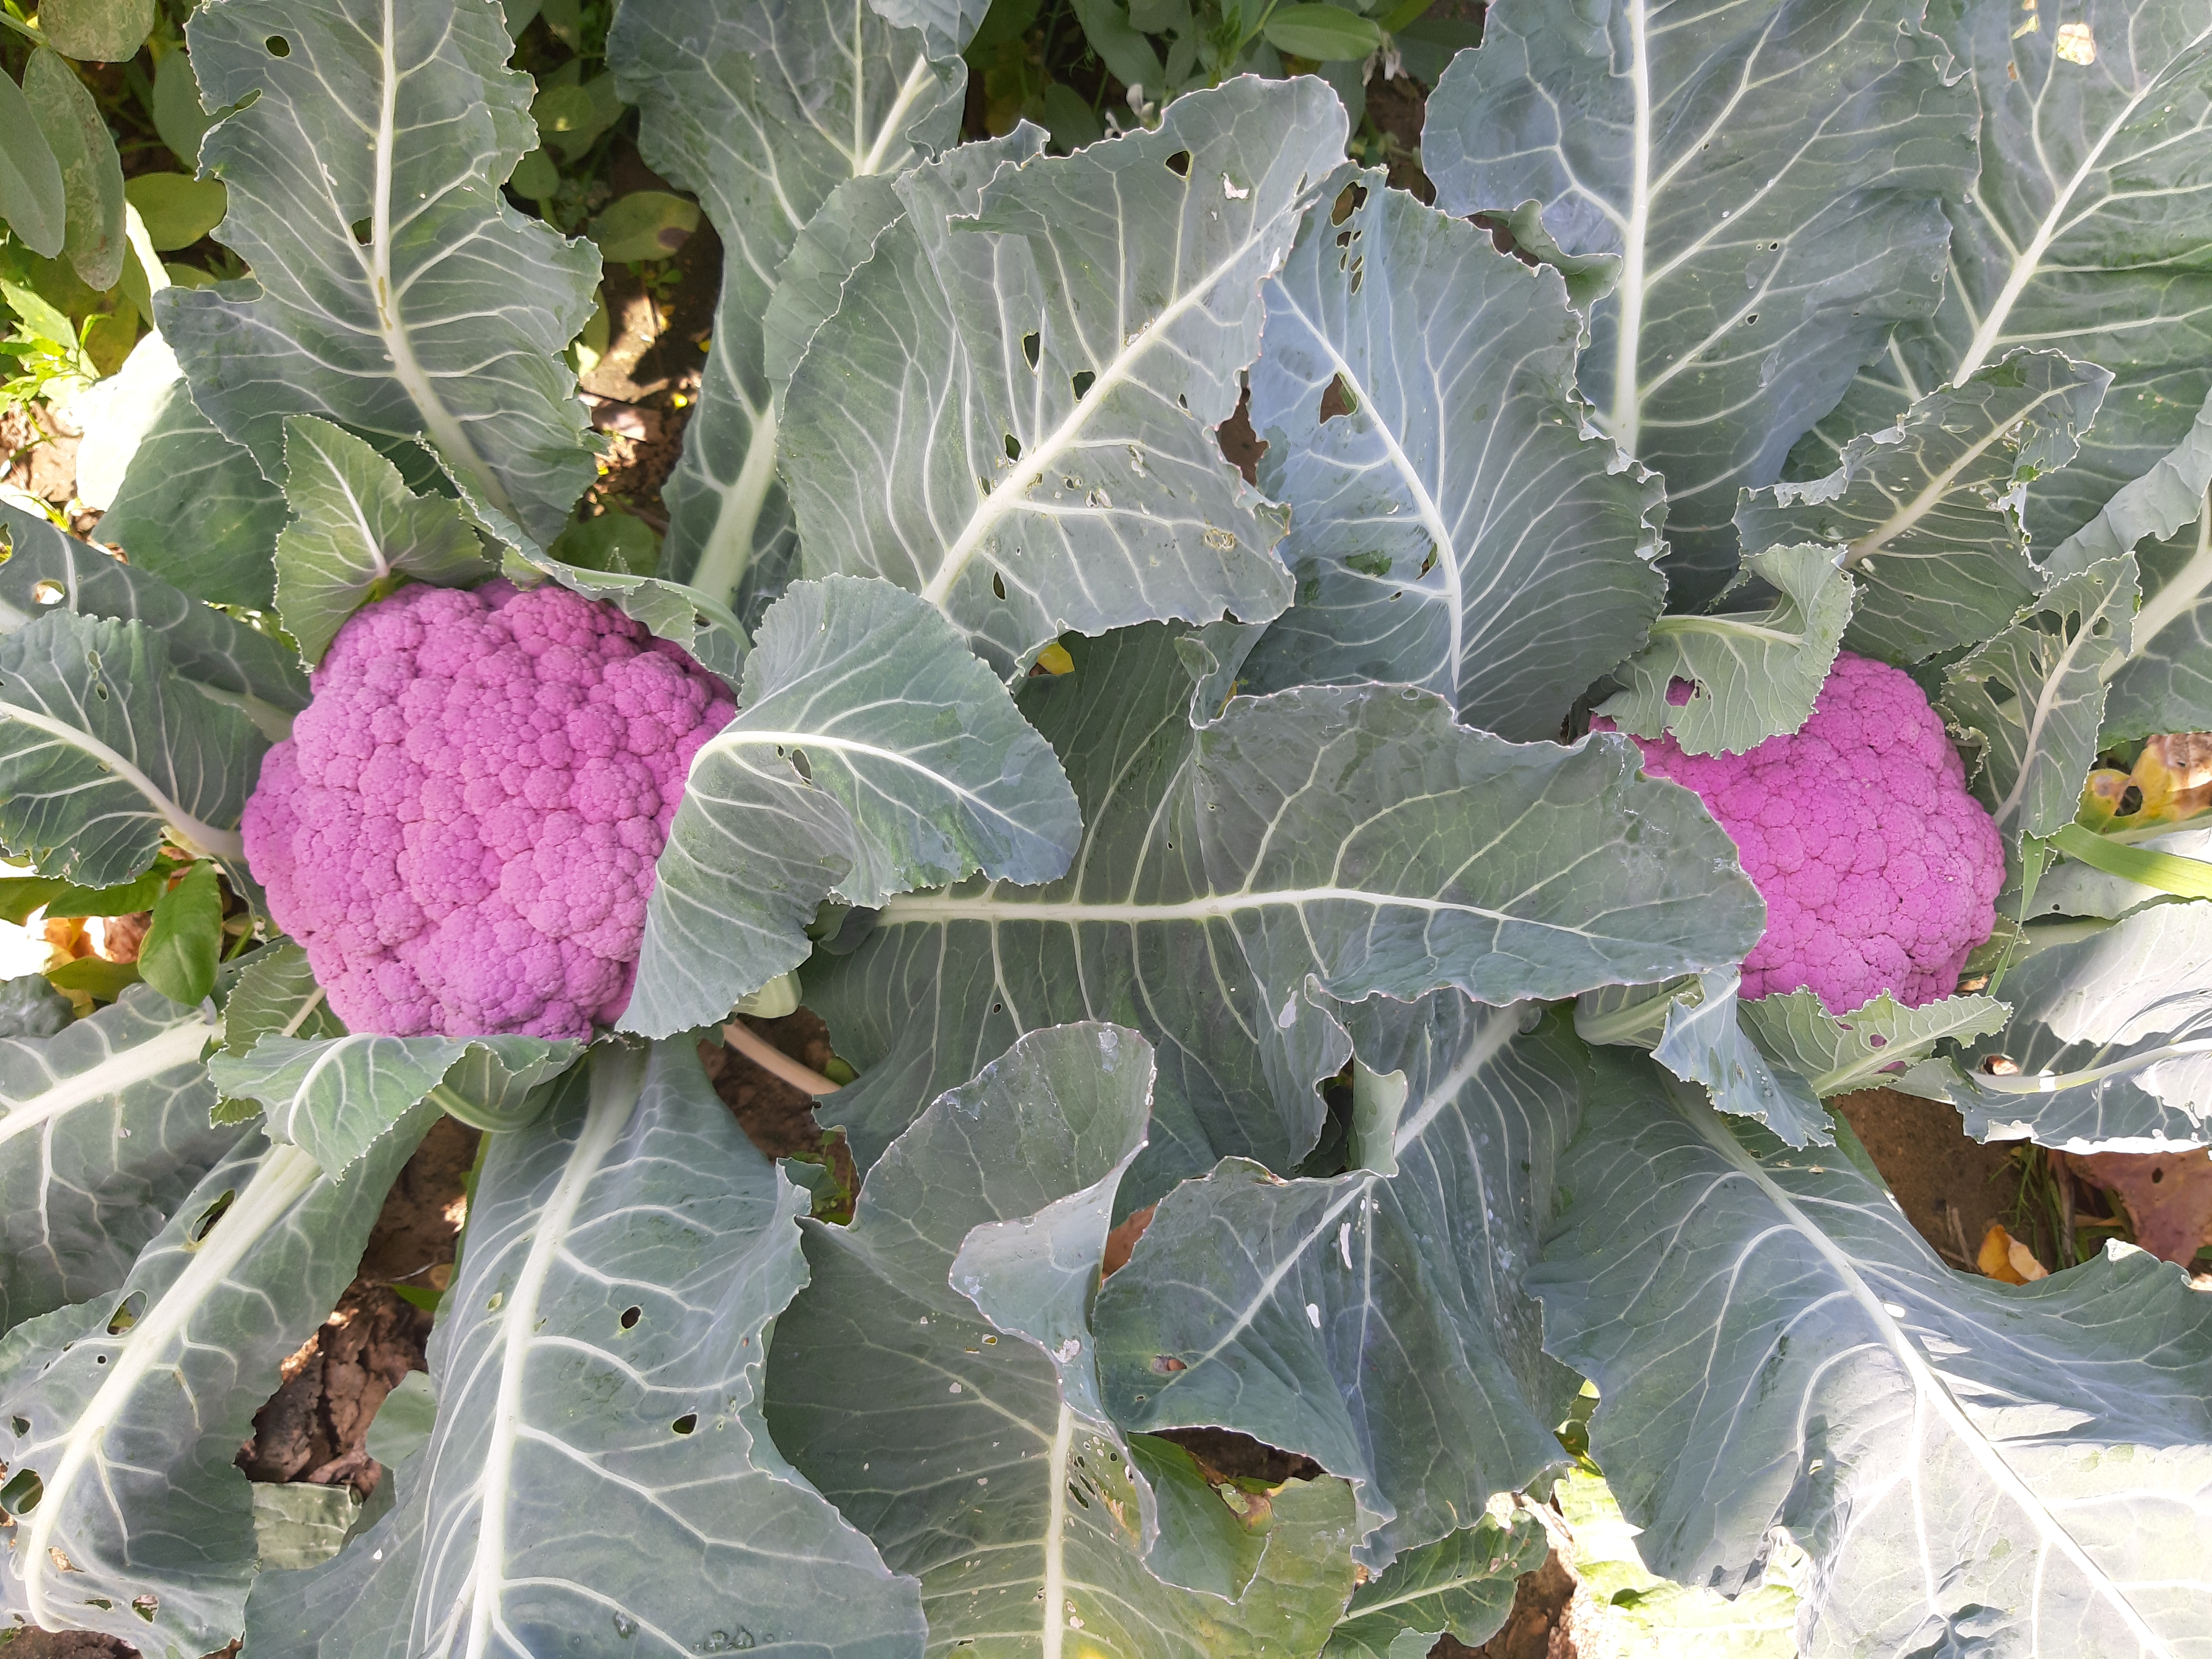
<point x="1950" y="1188"/>
<point x="313" y="1427"/>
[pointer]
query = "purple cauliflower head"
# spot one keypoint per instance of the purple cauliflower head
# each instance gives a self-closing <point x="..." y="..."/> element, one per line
<point x="461" y="830"/>
<point x="1880" y="872"/>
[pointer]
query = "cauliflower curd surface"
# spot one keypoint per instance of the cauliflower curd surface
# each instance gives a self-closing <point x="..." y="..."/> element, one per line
<point x="461" y="830"/>
<point x="1879" y="871"/>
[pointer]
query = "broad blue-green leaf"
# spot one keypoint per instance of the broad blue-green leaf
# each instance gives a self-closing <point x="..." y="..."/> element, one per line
<point x="2017" y="1470"/>
<point x="1929" y="510"/>
<point x="2036" y="695"/>
<point x="2113" y="1038"/>
<point x="835" y="243"/>
<point x="951" y="21"/>
<point x="1695" y="1028"/>
<point x="2163" y="681"/>
<point x="193" y="508"/>
<point x="972" y="1447"/>
<point x="31" y="199"/>
<point x="126" y="1413"/>
<point x="1767" y="178"/>
<point x="104" y="752"/>
<point x="92" y="172"/>
<point x="394" y="291"/>
<point x="1373" y="1320"/>
<point x="598" y="1471"/>
<point x="357" y="529"/>
<point x="874" y="755"/>
<point x="760" y="108"/>
<point x="337" y="1096"/>
<point x="298" y="1524"/>
<point x="1455" y="523"/>
<point x="1235" y="880"/>
<point x="1462" y="1584"/>
<point x="1752" y="675"/>
<point x="1839" y="1053"/>
<point x="1011" y="412"/>
<point x="277" y="996"/>
<point x="2083" y="232"/>
<point x="234" y="663"/>
<point x="103" y="1128"/>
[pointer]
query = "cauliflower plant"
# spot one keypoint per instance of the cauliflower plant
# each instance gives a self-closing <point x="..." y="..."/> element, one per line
<point x="1879" y="871"/>
<point x="462" y="829"/>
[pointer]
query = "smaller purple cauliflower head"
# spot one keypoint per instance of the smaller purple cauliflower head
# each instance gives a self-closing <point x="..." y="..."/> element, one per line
<point x="1880" y="872"/>
<point x="461" y="830"/>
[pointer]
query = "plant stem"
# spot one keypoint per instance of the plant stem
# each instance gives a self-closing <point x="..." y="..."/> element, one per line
<point x="772" y="1060"/>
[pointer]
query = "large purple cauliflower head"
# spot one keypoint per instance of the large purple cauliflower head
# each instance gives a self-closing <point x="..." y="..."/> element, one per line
<point x="1880" y="872"/>
<point x="461" y="830"/>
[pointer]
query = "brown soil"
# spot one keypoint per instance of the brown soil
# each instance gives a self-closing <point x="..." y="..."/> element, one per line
<point x="1950" y="1188"/>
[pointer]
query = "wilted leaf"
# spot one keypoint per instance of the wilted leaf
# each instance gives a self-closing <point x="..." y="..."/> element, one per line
<point x="2108" y="1042"/>
<point x="1752" y="675"/>
<point x="2169" y="1195"/>
<point x="2036" y="695"/>
<point x="1929" y="510"/>
<point x="2080" y="233"/>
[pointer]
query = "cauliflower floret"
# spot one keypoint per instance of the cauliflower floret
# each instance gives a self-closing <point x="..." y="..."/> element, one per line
<point x="1880" y="872"/>
<point x="461" y="830"/>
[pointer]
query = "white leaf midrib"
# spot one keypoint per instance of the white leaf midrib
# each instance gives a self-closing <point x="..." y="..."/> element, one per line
<point x="286" y="1176"/>
<point x="2028" y="262"/>
<point x="1929" y="1390"/>
<point x="123" y="1069"/>
<point x="616" y="1073"/>
<point x="200" y="839"/>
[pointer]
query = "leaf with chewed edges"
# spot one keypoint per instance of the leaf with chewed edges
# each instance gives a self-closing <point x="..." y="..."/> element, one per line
<point x="1012" y="411"/>
<point x="1752" y="675"/>
<point x="2110" y="1043"/>
<point x="1929" y="510"/>
<point x="120" y="1418"/>
<point x="395" y="291"/>
<point x="598" y="1473"/>
<point x="936" y="1380"/>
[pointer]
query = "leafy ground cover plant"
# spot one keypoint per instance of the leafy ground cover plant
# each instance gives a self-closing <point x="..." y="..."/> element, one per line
<point x="1268" y="866"/>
